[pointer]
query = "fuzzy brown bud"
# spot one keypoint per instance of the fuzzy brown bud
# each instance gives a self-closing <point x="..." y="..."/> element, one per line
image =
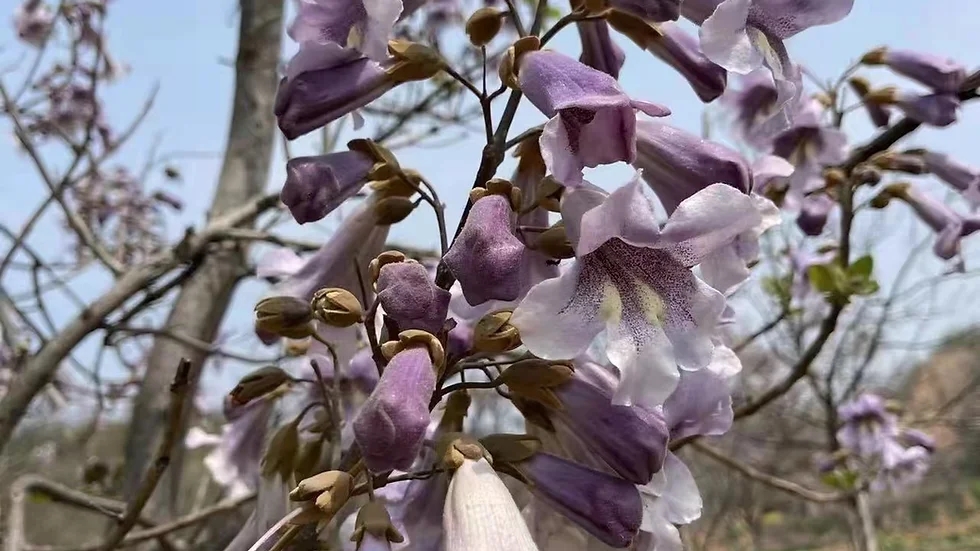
<point x="875" y="57"/>
<point x="337" y="307"/>
<point x="392" y="210"/>
<point x="554" y="242"/>
<point x="415" y="61"/>
<point x="483" y="26"/>
<point x="494" y="333"/>
<point x="415" y="337"/>
<point x="258" y="383"/>
<point x="374" y="519"/>
<point x="387" y="257"/>
<point x="535" y="379"/>
<point x="325" y="482"/>
<point x="510" y="62"/>
<point x="899" y="162"/>
<point x="454" y="448"/>
<point x="284" y="316"/>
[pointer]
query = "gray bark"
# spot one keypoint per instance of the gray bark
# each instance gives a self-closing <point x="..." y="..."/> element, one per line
<point x="204" y="298"/>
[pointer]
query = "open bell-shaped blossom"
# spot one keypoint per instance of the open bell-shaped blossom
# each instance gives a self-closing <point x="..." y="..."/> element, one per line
<point x="365" y="25"/>
<point x="914" y="437"/>
<point x="866" y="425"/>
<point x="679" y="49"/>
<point x="702" y="403"/>
<point x="480" y="514"/>
<point x="901" y="466"/>
<point x="315" y="186"/>
<point x="234" y="461"/>
<point x="809" y="145"/>
<point x="598" y="49"/>
<point x="759" y="109"/>
<point x="964" y="178"/>
<point x="814" y="212"/>
<point x="942" y="74"/>
<point x="324" y="82"/>
<point x="604" y="505"/>
<point x="744" y="35"/>
<point x="949" y="225"/>
<point x="486" y="257"/>
<point x="671" y="500"/>
<point x="391" y="425"/>
<point x="411" y="298"/>
<point x="592" y="120"/>
<point x="634" y="280"/>
<point x="631" y="440"/>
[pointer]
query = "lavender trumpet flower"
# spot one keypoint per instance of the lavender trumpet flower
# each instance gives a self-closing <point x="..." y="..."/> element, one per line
<point x="598" y="49"/>
<point x="866" y="425"/>
<point x="938" y="109"/>
<point x="593" y="121"/>
<point x="965" y="179"/>
<point x="316" y="186"/>
<point x="760" y="109"/>
<point x="33" y="20"/>
<point x="680" y="50"/>
<point x="634" y="280"/>
<point x="365" y="25"/>
<point x="939" y="73"/>
<point x="650" y="10"/>
<point x="950" y="226"/>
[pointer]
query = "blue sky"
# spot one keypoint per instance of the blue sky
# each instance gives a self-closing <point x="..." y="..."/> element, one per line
<point x="185" y="46"/>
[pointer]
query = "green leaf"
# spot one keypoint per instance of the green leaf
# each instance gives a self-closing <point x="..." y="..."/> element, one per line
<point x="862" y="267"/>
<point x="822" y="278"/>
<point x="864" y="288"/>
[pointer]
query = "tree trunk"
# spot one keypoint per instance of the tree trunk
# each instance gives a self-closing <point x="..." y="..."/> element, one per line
<point x="204" y="298"/>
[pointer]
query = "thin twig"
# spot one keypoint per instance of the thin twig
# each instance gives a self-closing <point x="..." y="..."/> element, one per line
<point x="178" y="395"/>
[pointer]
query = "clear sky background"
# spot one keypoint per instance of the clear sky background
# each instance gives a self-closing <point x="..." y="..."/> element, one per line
<point x="186" y="46"/>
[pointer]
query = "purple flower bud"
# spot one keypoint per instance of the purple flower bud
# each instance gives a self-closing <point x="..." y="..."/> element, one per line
<point x="933" y="109"/>
<point x="324" y="83"/>
<point x="962" y="177"/>
<point x="486" y="257"/>
<point x="939" y="73"/>
<point x="677" y="164"/>
<point x="606" y="506"/>
<point x="593" y="121"/>
<point x="948" y="224"/>
<point x="681" y="51"/>
<point x="315" y="186"/>
<point x="411" y="298"/>
<point x="630" y="439"/>
<point x="650" y="10"/>
<point x="598" y="49"/>
<point x="391" y="425"/>
<point x="814" y="211"/>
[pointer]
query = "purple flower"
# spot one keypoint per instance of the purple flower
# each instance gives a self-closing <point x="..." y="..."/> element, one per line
<point x="866" y="425"/>
<point x="759" y="107"/>
<point x="702" y="402"/>
<point x="964" y="178"/>
<point x="392" y="423"/>
<point x="33" y="21"/>
<point x="480" y="513"/>
<point x="606" y="506"/>
<point x="598" y="49"/>
<point x="809" y="145"/>
<point x="913" y="437"/>
<point x="416" y="510"/>
<point x="364" y="25"/>
<point x="486" y="257"/>
<point x="410" y="297"/>
<point x="744" y="35"/>
<point x="634" y="280"/>
<point x="932" y="109"/>
<point x="593" y="121"/>
<point x="680" y="50"/>
<point x="668" y="501"/>
<point x="650" y="10"/>
<point x="315" y="186"/>
<point x="949" y="225"/>
<point x="629" y="439"/>
<point x="901" y="467"/>
<point x="814" y="212"/>
<point x="234" y="462"/>
<point x="324" y="82"/>
<point x="942" y="74"/>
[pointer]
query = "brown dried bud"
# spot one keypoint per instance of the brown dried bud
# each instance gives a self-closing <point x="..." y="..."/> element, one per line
<point x="308" y="458"/>
<point x="415" y="337"/>
<point x="416" y="61"/>
<point x="453" y="448"/>
<point x="328" y="481"/>
<point x="554" y="242"/>
<point x="281" y="454"/>
<point x="511" y="448"/>
<point x="882" y="96"/>
<point x="860" y="85"/>
<point x="374" y="519"/>
<point x="387" y="257"/>
<point x="498" y="186"/>
<point x="890" y="192"/>
<point x="899" y="162"/>
<point x="258" y="383"/>
<point x="535" y="379"/>
<point x="494" y="333"/>
<point x="635" y="28"/>
<point x="337" y="307"/>
<point x="95" y="471"/>
<point x="511" y="60"/>
<point x="392" y="210"/>
<point x="284" y="316"/>
<point x="483" y="26"/>
<point x="874" y="57"/>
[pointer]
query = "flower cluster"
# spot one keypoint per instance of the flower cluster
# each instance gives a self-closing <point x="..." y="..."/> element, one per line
<point x="599" y="320"/>
<point x="876" y="449"/>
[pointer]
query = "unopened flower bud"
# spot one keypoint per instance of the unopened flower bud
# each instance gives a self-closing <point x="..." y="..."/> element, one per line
<point x="498" y="186"/>
<point x="483" y="26"/>
<point x="329" y="482"/>
<point x="879" y="115"/>
<point x="258" y="383"/>
<point x="284" y="316"/>
<point x="535" y="379"/>
<point x="899" y="162"/>
<point x="494" y="333"/>
<point x="511" y="59"/>
<point x="337" y="307"/>
<point x="413" y="337"/>
<point x="548" y="194"/>
<point x="392" y="210"/>
<point x="554" y="242"/>
<point x="454" y="448"/>
<point x="374" y="522"/>
<point x="511" y="448"/>
<point x="416" y="61"/>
